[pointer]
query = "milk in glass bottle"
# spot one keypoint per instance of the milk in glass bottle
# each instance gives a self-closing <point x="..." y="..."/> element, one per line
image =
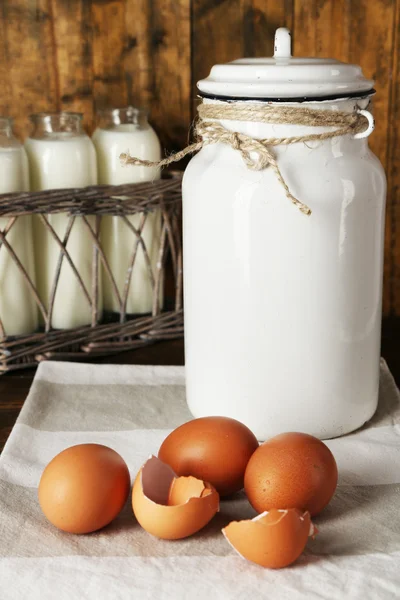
<point x="121" y="130"/>
<point x="61" y="155"/>
<point x="18" y="310"/>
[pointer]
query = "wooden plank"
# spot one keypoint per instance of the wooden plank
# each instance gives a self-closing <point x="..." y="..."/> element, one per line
<point x="371" y="37"/>
<point x="157" y="62"/>
<point x="217" y="33"/>
<point x="109" y="83"/>
<point x="5" y="98"/>
<point x="72" y="56"/>
<point x="137" y="55"/>
<point x="371" y="45"/>
<point x="261" y="20"/>
<point x="230" y="29"/>
<point x="27" y="64"/>
<point x="217" y="36"/>
<point x="363" y="33"/>
<point x="314" y="33"/>
<point x="392" y="264"/>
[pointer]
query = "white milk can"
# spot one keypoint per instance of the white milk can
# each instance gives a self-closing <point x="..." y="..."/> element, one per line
<point x="283" y="219"/>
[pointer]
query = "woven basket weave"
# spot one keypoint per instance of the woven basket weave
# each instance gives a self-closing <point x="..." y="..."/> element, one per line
<point x="123" y="332"/>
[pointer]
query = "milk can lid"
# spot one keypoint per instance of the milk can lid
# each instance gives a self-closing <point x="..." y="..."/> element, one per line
<point x="285" y="78"/>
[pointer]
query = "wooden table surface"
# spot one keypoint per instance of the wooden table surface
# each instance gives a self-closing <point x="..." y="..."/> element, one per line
<point x="14" y="387"/>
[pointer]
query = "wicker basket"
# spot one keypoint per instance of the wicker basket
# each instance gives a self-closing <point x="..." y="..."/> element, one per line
<point x="122" y="332"/>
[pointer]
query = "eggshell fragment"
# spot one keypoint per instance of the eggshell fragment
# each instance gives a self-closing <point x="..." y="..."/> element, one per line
<point x="274" y="539"/>
<point x="171" y="507"/>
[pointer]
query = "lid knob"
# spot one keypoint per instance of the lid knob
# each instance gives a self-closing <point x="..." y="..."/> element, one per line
<point x="283" y="43"/>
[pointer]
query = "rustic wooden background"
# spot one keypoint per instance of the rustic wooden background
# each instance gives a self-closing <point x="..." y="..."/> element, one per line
<point x="87" y="54"/>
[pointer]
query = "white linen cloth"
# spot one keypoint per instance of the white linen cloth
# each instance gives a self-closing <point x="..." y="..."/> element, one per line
<point x="132" y="409"/>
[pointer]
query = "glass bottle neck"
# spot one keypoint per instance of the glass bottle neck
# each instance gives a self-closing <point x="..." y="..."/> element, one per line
<point x="7" y="139"/>
<point x="6" y="127"/>
<point x="122" y="118"/>
<point x="64" y="124"/>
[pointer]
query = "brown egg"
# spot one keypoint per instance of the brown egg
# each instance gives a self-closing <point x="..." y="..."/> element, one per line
<point x="291" y="470"/>
<point x="84" y="488"/>
<point x="214" y="449"/>
<point x="274" y="539"/>
<point x="171" y="507"/>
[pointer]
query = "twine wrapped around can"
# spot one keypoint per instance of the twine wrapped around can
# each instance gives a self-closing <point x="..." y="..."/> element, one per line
<point x="258" y="154"/>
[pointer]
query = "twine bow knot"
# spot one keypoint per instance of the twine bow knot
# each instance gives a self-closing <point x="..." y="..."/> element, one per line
<point x="254" y="153"/>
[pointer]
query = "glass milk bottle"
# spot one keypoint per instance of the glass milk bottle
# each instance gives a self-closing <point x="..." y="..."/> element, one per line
<point x="120" y="130"/>
<point x="61" y="155"/>
<point x="18" y="309"/>
<point x="283" y="310"/>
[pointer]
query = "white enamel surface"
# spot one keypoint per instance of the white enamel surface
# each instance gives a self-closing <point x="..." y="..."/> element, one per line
<point x="283" y="43"/>
<point x="283" y="311"/>
<point x="371" y="125"/>
<point x="18" y="310"/>
<point x="118" y="240"/>
<point x="63" y="161"/>
<point x="283" y="76"/>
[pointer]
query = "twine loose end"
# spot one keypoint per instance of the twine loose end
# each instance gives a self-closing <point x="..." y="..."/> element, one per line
<point x="305" y="210"/>
<point x="124" y="158"/>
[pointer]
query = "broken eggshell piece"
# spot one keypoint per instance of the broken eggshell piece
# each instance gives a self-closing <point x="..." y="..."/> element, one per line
<point x="171" y="507"/>
<point x="273" y="539"/>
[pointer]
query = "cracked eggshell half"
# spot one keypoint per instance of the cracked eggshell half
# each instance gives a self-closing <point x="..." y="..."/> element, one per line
<point x="171" y="507"/>
<point x="274" y="539"/>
